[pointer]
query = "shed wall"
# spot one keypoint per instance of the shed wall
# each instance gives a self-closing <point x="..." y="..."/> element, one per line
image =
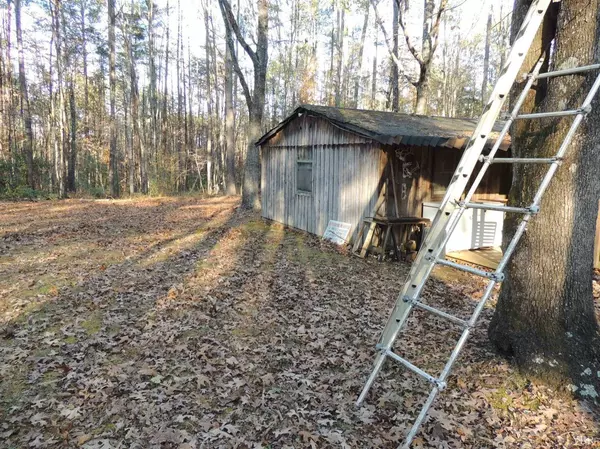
<point x="346" y="174"/>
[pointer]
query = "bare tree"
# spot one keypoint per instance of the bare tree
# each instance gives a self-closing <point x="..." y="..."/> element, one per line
<point x="424" y="57"/>
<point x="255" y="100"/>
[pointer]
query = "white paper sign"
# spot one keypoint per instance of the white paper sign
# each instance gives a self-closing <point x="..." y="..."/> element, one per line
<point x="337" y="232"/>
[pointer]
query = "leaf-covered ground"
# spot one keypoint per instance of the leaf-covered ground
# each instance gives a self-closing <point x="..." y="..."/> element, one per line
<point x="184" y="323"/>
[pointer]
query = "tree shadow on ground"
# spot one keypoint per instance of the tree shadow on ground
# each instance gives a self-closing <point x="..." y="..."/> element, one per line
<point x="248" y="336"/>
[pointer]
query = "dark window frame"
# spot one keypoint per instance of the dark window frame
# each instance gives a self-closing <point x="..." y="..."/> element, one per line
<point x="306" y="163"/>
<point x="444" y="166"/>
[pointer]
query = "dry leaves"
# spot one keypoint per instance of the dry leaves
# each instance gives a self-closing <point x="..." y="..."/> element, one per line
<point x="183" y="323"/>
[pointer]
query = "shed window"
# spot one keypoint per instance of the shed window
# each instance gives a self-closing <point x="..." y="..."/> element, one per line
<point x="304" y="176"/>
<point x="444" y="164"/>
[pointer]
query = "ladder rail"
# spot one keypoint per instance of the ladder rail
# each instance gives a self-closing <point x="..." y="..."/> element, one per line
<point x="585" y="108"/>
<point x="508" y="252"/>
<point x="565" y="72"/>
<point x="422" y="268"/>
<point x="519" y="160"/>
<point x="467" y="330"/>
<point x="452" y="209"/>
<point x="513" y="115"/>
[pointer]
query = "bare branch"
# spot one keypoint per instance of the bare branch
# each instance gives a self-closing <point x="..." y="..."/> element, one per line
<point x="234" y="58"/>
<point x="229" y="18"/>
<point x="411" y="47"/>
<point x="387" y="43"/>
<point x="435" y="29"/>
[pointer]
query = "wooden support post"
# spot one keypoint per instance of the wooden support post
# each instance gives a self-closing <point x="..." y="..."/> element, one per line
<point x="388" y="229"/>
<point x="368" y="240"/>
<point x="359" y="237"/>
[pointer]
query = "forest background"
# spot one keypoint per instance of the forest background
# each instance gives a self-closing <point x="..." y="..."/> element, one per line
<point x="106" y="98"/>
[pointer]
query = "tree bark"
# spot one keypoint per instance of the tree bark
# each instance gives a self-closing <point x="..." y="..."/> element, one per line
<point x="84" y="57"/>
<point x="153" y="91"/>
<point x="254" y="101"/>
<point x="361" y="48"/>
<point x="72" y="170"/>
<point x="164" y="123"/>
<point x="374" y="78"/>
<point x="545" y="313"/>
<point x="339" y="41"/>
<point x="486" y="58"/>
<point x="113" y="156"/>
<point x="24" y="109"/>
<point x="209" y="108"/>
<point x="229" y="120"/>
<point x="59" y="145"/>
<point x="429" y="38"/>
<point x="395" y="97"/>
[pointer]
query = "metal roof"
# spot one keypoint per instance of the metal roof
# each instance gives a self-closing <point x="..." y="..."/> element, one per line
<point x="392" y="128"/>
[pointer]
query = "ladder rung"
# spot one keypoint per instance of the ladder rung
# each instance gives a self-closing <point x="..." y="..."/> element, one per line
<point x="521" y="160"/>
<point x="574" y="70"/>
<point x="551" y="114"/>
<point x="414" y="369"/>
<point x="518" y="210"/>
<point x="498" y="277"/>
<point x="440" y="313"/>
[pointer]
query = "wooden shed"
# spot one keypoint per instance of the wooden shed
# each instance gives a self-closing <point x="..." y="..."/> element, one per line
<point x="324" y="163"/>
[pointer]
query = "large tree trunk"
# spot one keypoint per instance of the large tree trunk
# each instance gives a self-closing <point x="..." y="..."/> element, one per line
<point x="164" y="123"/>
<point x="72" y="170"/>
<point x="153" y="92"/>
<point x="422" y="92"/>
<point x="229" y="121"/>
<point x="24" y="109"/>
<point x="59" y="145"/>
<point x="114" y="161"/>
<point x="395" y="97"/>
<point x="545" y="313"/>
<point x="256" y="100"/>
<point x="209" y="110"/>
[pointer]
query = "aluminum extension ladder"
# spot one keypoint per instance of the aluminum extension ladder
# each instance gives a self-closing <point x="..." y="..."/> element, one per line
<point x="452" y="208"/>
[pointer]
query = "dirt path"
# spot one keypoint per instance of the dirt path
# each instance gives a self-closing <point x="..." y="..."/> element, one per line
<point x="180" y="322"/>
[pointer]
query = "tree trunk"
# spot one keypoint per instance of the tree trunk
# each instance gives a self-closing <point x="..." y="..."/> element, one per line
<point x="24" y="109"/>
<point x="395" y="97"/>
<point x="59" y="146"/>
<point x="210" y="129"/>
<point x="181" y="175"/>
<point x="486" y="59"/>
<point x="545" y="313"/>
<point x="113" y="156"/>
<point x="165" y="90"/>
<point x="361" y="48"/>
<point x="153" y="92"/>
<point x="86" y="92"/>
<point x="374" y="78"/>
<point x="256" y="100"/>
<point x="250" y="196"/>
<point x="72" y="171"/>
<point x="422" y="92"/>
<point x="229" y="120"/>
<point x="341" y="15"/>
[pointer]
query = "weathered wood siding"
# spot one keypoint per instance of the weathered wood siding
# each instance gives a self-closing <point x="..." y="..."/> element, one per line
<point x="346" y="173"/>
